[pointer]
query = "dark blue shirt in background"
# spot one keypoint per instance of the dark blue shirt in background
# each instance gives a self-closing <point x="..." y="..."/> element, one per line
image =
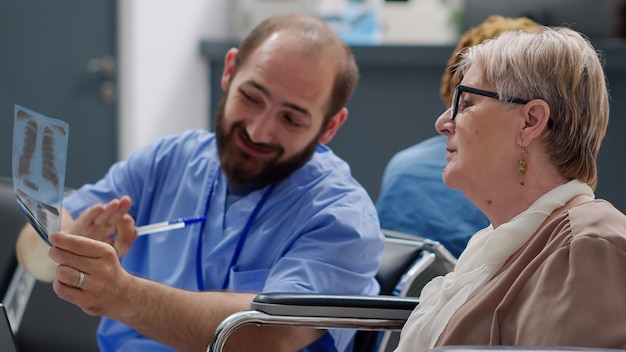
<point x="413" y="198"/>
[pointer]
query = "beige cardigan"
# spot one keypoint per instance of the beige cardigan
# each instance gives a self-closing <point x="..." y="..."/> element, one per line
<point x="566" y="286"/>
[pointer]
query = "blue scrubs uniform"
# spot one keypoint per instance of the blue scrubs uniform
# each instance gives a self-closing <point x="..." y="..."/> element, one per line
<point x="316" y="231"/>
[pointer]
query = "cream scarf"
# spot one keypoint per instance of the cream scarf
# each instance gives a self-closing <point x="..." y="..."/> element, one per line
<point x="485" y="254"/>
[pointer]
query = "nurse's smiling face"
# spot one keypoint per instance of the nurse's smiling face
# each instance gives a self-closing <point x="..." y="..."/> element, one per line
<point x="271" y="117"/>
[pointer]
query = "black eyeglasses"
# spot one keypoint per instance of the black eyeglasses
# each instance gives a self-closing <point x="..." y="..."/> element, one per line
<point x="485" y="93"/>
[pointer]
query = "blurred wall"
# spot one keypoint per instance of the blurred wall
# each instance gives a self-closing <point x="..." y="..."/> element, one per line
<point x="162" y="77"/>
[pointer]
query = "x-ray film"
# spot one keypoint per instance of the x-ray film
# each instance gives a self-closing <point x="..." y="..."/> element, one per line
<point x="39" y="158"/>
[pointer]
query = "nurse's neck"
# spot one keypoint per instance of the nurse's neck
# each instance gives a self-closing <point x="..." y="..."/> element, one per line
<point x="235" y="193"/>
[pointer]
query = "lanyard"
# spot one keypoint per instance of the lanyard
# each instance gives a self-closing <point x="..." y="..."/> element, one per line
<point x="245" y="232"/>
<point x="240" y="242"/>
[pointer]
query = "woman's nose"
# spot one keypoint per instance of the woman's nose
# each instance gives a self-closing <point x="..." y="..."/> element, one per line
<point x="444" y="124"/>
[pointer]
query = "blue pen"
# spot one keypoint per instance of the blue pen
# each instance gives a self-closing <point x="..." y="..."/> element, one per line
<point x="165" y="226"/>
<point x="168" y="225"/>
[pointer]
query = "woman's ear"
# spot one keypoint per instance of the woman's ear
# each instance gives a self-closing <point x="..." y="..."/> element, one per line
<point x="229" y="67"/>
<point x="536" y="116"/>
<point x="333" y="126"/>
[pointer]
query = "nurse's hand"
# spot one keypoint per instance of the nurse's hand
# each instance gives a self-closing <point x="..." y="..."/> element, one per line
<point x="108" y="223"/>
<point x="89" y="274"/>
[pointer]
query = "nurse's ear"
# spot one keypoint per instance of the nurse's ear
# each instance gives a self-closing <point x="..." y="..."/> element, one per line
<point x="229" y="67"/>
<point x="333" y="126"/>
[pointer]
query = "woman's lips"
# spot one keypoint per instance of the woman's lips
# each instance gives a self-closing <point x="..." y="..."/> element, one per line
<point x="451" y="151"/>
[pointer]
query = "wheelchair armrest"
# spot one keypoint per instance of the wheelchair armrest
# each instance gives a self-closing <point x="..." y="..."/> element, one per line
<point x="339" y="306"/>
<point x="318" y="311"/>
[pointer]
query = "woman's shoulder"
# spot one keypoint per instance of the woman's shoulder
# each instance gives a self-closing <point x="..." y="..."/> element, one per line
<point x="598" y="219"/>
<point x="596" y="209"/>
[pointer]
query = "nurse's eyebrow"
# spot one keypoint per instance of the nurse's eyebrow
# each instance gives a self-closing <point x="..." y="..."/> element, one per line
<point x="267" y="94"/>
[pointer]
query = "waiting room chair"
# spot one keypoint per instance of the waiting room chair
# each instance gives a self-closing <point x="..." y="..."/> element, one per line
<point x="408" y="264"/>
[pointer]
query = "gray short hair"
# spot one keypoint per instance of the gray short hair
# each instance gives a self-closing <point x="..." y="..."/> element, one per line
<point x="561" y="67"/>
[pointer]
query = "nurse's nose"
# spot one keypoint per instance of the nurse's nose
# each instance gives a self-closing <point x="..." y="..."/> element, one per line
<point x="262" y="128"/>
<point x="444" y="124"/>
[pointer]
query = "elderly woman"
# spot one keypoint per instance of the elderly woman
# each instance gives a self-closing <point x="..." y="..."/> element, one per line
<point x="413" y="199"/>
<point x="523" y="134"/>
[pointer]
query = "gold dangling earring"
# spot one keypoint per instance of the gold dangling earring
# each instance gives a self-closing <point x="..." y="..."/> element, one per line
<point x="522" y="166"/>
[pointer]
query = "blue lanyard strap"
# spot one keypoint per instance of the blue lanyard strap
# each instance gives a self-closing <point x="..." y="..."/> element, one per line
<point x="199" y="279"/>
<point x="242" y="237"/>
<point x="244" y="234"/>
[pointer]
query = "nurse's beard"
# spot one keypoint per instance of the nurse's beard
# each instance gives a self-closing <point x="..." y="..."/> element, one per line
<point x="232" y="159"/>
